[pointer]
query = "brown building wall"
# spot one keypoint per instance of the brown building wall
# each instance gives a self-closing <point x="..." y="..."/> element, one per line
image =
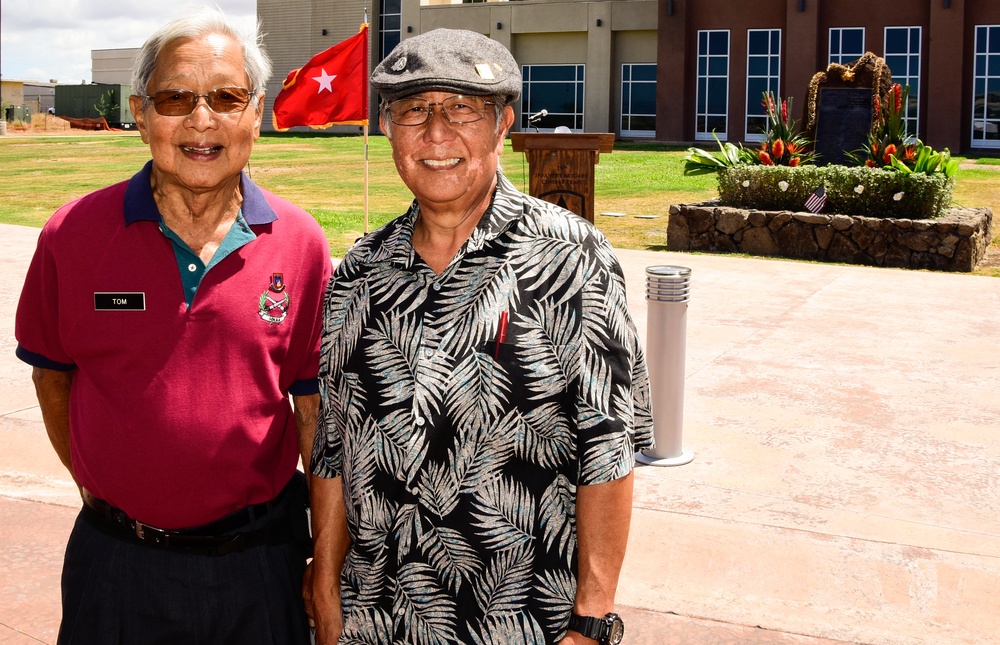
<point x="948" y="36"/>
<point x="801" y="50"/>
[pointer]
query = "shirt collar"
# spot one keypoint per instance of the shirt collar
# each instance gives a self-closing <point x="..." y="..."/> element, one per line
<point x="505" y="208"/>
<point x="140" y="205"/>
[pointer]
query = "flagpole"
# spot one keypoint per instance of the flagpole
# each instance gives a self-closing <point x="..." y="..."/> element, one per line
<point x="368" y="58"/>
<point x="366" y="178"/>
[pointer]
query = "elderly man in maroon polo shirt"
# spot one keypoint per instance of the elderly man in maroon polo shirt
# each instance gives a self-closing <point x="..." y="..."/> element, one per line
<point x="170" y="319"/>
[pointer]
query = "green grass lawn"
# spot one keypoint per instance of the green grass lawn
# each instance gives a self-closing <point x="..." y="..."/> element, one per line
<point x="324" y="175"/>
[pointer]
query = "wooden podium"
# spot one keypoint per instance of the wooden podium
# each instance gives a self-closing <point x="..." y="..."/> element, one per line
<point x="561" y="166"/>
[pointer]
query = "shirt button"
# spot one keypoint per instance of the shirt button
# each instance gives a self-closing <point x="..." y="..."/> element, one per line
<point x="419" y="421"/>
<point x="428" y="353"/>
<point x="437" y="286"/>
<point x="192" y="267"/>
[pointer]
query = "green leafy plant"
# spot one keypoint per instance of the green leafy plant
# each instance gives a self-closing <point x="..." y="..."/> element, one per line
<point x="106" y="106"/>
<point x="890" y="147"/>
<point x="701" y="162"/>
<point x="926" y="160"/>
<point x="874" y="192"/>
<point x="888" y="137"/>
<point x="782" y="145"/>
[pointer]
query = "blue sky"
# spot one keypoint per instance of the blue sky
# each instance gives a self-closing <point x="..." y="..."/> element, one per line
<point x="52" y="39"/>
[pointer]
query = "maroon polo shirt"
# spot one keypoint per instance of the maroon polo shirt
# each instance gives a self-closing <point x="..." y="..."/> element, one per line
<point x="178" y="414"/>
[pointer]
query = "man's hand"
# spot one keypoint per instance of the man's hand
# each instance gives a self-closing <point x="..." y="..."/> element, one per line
<point x="331" y="540"/>
<point x="322" y="599"/>
<point x="52" y="388"/>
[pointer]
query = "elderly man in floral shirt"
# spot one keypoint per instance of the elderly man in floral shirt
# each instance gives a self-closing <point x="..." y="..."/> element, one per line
<point x="483" y="389"/>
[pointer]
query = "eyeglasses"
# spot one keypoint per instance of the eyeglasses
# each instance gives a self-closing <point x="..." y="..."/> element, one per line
<point x="457" y="109"/>
<point x="223" y="100"/>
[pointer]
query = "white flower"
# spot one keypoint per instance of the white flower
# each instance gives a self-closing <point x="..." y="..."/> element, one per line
<point x="746" y="183"/>
<point x="898" y="196"/>
<point x="783" y="185"/>
<point x="859" y="189"/>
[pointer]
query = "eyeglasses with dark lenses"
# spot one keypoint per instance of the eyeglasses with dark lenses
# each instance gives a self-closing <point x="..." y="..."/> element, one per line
<point x="223" y="100"/>
<point x="457" y="109"/>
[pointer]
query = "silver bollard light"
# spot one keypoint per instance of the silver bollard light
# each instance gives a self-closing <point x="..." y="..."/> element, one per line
<point x="667" y="294"/>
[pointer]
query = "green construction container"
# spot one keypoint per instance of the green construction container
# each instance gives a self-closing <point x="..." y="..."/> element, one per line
<point x="80" y="101"/>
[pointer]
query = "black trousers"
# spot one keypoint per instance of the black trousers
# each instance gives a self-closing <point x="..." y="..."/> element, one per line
<point x="116" y="592"/>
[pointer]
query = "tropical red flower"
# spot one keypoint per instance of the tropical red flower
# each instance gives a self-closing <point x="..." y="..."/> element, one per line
<point x="794" y="161"/>
<point x="766" y="159"/>
<point x="874" y="147"/>
<point x="784" y="113"/>
<point x="870" y="163"/>
<point x="889" y="151"/>
<point x="778" y="148"/>
<point x="897" y="91"/>
<point x="909" y="153"/>
<point x="791" y="148"/>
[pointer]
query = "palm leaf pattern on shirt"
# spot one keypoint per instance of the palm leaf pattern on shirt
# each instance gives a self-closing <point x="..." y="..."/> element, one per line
<point x="451" y="554"/>
<point x="503" y="514"/>
<point x="372" y="626"/>
<point x="555" y="588"/>
<point x="461" y="455"/>
<point x="507" y="629"/>
<point x="422" y="607"/>
<point x="506" y="583"/>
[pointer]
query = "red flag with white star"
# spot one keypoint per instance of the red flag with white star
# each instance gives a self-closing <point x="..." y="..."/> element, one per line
<point x="331" y="89"/>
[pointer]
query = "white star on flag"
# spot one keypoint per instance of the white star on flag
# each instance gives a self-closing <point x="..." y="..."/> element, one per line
<point x="325" y="81"/>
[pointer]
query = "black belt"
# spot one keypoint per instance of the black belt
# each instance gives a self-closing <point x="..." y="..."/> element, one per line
<point x="216" y="538"/>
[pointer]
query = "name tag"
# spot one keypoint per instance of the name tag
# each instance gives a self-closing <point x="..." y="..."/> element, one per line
<point x="104" y="301"/>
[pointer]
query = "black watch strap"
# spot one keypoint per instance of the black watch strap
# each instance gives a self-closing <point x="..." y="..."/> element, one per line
<point x="599" y="629"/>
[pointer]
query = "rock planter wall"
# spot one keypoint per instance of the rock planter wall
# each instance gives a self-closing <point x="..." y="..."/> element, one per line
<point x="957" y="241"/>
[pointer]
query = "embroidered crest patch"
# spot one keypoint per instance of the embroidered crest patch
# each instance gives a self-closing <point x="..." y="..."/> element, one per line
<point x="274" y="309"/>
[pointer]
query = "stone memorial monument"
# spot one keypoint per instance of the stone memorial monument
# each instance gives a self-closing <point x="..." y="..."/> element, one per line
<point x="840" y="105"/>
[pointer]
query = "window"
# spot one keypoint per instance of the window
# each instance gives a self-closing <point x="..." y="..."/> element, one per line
<point x="389" y="26"/>
<point x="556" y="88"/>
<point x="847" y="44"/>
<point x="902" y="55"/>
<point x="986" y="88"/>
<point x="638" y="100"/>
<point x="763" y="72"/>
<point x="713" y="85"/>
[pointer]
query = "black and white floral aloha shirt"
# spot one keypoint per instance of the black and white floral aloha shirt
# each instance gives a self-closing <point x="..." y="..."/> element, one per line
<point x="460" y="459"/>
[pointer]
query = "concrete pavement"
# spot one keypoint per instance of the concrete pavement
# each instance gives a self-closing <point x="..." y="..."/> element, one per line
<point x="845" y="423"/>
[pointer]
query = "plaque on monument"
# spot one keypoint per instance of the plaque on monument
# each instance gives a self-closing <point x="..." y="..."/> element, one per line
<point x="842" y="124"/>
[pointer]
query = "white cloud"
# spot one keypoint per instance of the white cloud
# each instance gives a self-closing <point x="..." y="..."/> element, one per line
<point x="52" y="39"/>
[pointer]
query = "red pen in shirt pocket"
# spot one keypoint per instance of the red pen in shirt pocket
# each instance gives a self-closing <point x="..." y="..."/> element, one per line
<point x="501" y="334"/>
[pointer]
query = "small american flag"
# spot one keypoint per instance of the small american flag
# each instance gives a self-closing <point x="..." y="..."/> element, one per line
<point x="817" y="200"/>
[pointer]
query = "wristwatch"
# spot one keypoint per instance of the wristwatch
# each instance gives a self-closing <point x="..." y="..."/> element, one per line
<point x="607" y="630"/>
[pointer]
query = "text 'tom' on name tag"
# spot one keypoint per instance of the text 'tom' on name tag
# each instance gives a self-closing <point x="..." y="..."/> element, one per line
<point x="104" y="301"/>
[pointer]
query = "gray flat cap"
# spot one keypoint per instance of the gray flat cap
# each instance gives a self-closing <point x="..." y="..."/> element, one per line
<point x="451" y="60"/>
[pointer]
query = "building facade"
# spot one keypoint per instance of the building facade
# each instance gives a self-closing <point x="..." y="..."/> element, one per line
<point x="590" y="65"/>
<point x="679" y="70"/>
<point x="717" y="56"/>
<point x="112" y="66"/>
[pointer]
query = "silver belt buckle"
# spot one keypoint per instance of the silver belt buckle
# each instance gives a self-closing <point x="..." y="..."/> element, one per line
<point x="145" y="531"/>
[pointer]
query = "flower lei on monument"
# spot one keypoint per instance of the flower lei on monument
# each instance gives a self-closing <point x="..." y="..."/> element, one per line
<point x="869" y="63"/>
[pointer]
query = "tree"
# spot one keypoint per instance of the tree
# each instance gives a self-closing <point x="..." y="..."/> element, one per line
<point x="107" y="107"/>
